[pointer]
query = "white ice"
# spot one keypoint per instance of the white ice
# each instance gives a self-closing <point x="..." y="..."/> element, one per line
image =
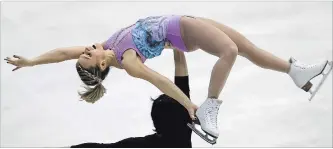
<point x="262" y="108"/>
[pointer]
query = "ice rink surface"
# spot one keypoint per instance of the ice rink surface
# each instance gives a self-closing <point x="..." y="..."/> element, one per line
<point x="40" y="106"/>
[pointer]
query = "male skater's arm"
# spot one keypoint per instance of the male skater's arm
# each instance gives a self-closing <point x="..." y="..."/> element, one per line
<point x="149" y="141"/>
<point x="181" y="72"/>
<point x="182" y="81"/>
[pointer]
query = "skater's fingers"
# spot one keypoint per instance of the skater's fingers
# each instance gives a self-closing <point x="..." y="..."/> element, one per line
<point x="11" y="62"/>
<point x="16" y="68"/>
<point x="16" y="56"/>
<point x="191" y="111"/>
<point x="8" y="59"/>
<point x="193" y="118"/>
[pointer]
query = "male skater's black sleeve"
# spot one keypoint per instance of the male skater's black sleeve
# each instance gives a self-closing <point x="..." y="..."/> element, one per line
<point x="183" y="83"/>
<point x="149" y="141"/>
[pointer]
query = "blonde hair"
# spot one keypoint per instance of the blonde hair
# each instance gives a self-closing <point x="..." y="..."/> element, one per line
<point x="92" y="77"/>
<point x="91" y="95"/>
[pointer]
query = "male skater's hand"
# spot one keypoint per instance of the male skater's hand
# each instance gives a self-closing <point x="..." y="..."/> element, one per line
<point x="191" y="111"/>
<point x="18" y="61"/>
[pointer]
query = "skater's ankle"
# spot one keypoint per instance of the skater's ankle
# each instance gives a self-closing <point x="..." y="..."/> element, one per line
<point x="212" y="97"/>
<point x="288" y="69"/>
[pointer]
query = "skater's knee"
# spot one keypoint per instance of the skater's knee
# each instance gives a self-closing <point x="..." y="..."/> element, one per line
<point x="233" y="50"/>
<point x="230" y="51"/>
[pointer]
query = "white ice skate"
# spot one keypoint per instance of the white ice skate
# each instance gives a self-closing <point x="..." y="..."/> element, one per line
<point x="206" y="117"/>
<point x="302" y="74"/>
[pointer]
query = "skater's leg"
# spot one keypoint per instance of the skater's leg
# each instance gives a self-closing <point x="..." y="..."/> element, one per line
<point x="205" y="36"/>
<point x="250" y="51"/>
<point x="216" y="42"/>
<point x="300" y="73"/>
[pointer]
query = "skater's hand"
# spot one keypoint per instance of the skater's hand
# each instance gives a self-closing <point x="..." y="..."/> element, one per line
<point x="191" y="111"/>
<point x="18" y="61"/>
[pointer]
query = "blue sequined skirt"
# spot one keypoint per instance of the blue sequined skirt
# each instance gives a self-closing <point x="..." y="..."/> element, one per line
<point x="149" y="35"/>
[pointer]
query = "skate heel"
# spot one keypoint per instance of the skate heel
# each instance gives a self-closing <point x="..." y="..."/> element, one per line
<point x="307" y="86"/>
<point x="303" y="75"/>
<point x="313" y="90"/>
<point x="203" y="136"/>
<point x="196" y="121"/>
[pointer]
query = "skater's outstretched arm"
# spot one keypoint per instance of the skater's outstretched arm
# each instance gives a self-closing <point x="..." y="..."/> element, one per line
<point x="134" y="67"/>
<point x="53" y="56"/>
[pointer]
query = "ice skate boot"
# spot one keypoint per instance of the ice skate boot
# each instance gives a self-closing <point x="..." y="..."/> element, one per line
<point x="302" y="74"/>
<point x="207" y="118"/>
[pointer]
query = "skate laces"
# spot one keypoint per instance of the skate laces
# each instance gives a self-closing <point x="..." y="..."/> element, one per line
<point x="304" y="66"/>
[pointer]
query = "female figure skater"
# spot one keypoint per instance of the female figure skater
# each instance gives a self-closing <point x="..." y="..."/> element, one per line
<point x="169" y="118"/>
<point x="129" y="48"/>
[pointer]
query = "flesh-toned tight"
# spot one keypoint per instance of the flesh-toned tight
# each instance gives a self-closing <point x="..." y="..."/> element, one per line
<point x="226" y="43"/>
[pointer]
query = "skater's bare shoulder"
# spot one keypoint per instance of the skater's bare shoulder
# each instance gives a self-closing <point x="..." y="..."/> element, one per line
<point x="134" y="66"/>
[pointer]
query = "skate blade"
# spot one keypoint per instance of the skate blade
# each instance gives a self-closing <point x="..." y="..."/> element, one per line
<point x="200" y="134"/>
<point x="314" y="91"/>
